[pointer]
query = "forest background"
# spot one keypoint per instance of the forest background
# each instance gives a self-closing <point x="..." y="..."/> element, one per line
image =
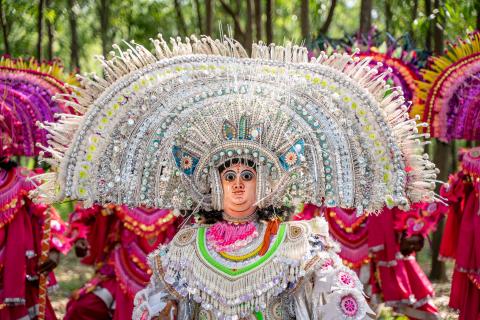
<point x="74" y="31"/>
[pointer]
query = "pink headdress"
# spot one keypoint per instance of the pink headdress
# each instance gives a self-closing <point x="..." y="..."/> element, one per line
<point x="451" y="91"/>
<point x="26" y="89"/>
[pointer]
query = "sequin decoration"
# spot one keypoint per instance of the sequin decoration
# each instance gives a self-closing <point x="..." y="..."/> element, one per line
<point x="158" y="128"/>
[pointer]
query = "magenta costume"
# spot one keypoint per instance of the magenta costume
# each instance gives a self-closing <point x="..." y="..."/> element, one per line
<point x="450" y="94"/>
<point x="461" y="239"/>
<point x="21" y="224"/>
<point x="119" y="241"/>
<point x="27" y="89"/>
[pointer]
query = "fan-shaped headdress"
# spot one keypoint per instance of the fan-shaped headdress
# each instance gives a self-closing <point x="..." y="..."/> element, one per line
<point x="158" y="126"/>
<point x="27" y="88"/>
<point x="451" y="91"/>
<point x="404" y="70"/>
<point x="403" y="64"/>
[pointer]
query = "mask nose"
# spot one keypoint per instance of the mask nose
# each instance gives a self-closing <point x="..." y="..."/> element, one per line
<point x="238" y="186"/>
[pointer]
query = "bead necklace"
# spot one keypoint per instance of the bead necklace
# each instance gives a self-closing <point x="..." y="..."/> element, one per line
<point x="249" y="218"/>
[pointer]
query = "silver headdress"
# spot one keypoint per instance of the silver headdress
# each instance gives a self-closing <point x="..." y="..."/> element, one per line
<point x="156" y="128"/>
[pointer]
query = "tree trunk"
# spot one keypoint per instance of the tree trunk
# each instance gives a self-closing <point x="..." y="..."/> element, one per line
<point x="442" y="159"/>
<point x="40" y="29"/>
<point x="365" y="17"/>
<point x="182" y="27"/>
<point x="328" y="21"/>
<point x="49" y="35"/>
<point x="5" y="28"/>
<point x="305" y="20"/>
<point x="258" y="20"/>
<point x="74" y="48"/>
<point x="209" y="17"/>
<point x="477" y="9"/>
<point x="104" y="13"/>
<point x="269" y="21"/>
<point x="199" y="16"/>
<point x="428" y="35"/>
<point x="437" y="30"/>
<point x="249" y="26"/>
<point x="239" y="33"/>
<point x="413" y="17"/>
<point x="388" y="16"/>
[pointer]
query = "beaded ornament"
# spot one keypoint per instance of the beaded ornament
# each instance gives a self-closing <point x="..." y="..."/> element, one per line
<point x="157" y="127"/>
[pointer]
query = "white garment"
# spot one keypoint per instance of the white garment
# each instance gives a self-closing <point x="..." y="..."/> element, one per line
<point x="317" y="284"/>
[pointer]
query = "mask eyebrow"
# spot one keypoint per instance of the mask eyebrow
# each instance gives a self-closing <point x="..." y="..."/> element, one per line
<point x="229" y="171"/>
<point x="248" y="170"/>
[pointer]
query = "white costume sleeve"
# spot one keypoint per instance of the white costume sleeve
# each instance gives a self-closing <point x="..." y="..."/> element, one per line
<point x="153" y="299"/>
<point x="334" y="291"/>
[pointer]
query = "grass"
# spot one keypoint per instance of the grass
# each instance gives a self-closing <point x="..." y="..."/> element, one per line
<point x="71" y="275"/>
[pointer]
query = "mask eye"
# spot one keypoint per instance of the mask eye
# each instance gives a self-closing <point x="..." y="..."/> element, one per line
<point x="230" y="176"/>
<point x="246" y="175"/>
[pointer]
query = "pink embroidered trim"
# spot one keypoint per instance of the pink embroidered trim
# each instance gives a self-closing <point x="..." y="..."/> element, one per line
<point x="226" y="237"/>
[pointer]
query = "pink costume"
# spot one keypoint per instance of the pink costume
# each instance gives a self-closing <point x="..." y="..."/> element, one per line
<point x="119" y="241"/>
<point x="27" y="89"/>
<point x="371" y="246"/>
<point x="450" y="93"/>
<point x="21" y="224"/>
<point x="461" y="239"/>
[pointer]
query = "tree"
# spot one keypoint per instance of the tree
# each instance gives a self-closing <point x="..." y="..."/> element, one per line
<point x="74" y="48"/>
<point x="305" y="20"/>
<point x="442" y="161"/>
<point x="249" y="26"/>
<point x="388" y="16"/>
<point x="365" y="16"/>
<point x="104" y="13"/>
<point x="50" y="39"/>
<point x="258" y="19"/>
<point x="477" y="11"/>
<point x="5" y="28"/>
<point x="242" y="34"/>
<point x="199" y="17"/>
<point x="413" y="17"/>
<point x="326" y="25"/>
<point x="180" y="20"/>
<point x="268" y="20"/>
<point x="428" y="34"/>
<point x="40" y="29"/>
<point x="208" y="17"/>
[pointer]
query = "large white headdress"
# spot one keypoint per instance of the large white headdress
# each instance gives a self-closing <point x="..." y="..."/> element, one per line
<point x="156" y="128"/>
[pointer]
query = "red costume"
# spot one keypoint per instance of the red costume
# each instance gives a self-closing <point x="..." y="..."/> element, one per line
<point x="21" y="223"/>
<point x="461" y="238"/>
<point x="119" y="240"/>
<point x="371" y="246"/>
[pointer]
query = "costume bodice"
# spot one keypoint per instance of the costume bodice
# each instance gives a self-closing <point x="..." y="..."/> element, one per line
<point x="268" y="286"/>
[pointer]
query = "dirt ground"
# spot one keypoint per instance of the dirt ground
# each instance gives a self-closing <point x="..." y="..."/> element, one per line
<point x="71" y="275"/>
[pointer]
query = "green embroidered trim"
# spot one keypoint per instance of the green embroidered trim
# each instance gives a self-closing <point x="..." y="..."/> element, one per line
<point x="259" y="315"/>
<point x="201" y="245"/>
